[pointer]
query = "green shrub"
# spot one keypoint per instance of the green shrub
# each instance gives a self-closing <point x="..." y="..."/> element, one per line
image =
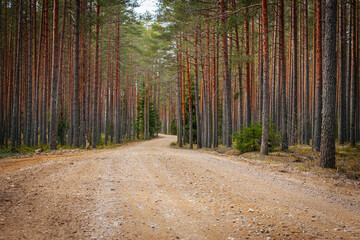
<point x="249" y="138"/>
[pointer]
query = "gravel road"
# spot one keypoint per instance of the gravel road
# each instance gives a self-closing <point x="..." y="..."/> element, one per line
<point x="148" y="190"/>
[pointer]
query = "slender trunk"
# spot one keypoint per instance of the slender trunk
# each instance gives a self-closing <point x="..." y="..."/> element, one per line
<point x="99" y="99"/>
<point x="54" y="76"/>
<point x="15" y="107"/>
<point x="294" y="116"/>
<point x="198" y="120"/>
<point x="273" y="115"/>
<point x="117" y="85"/>
<point x="239" y="73"/>
<point x="45" y="75"/>
<point x="179" y="104"/>
<point x="342" y="75"/>
<point x="227" y="80"/>
<point x="307" y="88"/>
<point x="3" y="107"/>
<point x="215" y="93"/>
<point x="265" y="115"/>
<point x="107" y="94"/>
<point x="261" y="72"/>
<point x="318" y="90"/>
<point x="96" y="79"/>
<point x="29" y="80"/>
<point x="354" y="79"/>
<point x="190" y="103"/>
<point x="76" y="109"/>
<point x="284" y="134"/>
<point x="247" y="73"/>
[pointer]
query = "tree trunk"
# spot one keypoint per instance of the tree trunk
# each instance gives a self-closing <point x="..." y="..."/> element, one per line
<point x="318" y="90"/>
<point x="284" y="134"/>
<point x="107" y="93"/>
<point x="247" y="74"/>
<point x="266" y="105"/>
<point x="239" y="73"/>
<point x="342" y="75"/>
<point x="227" y="80"/>
<point x="307" y="88"/>
<point x="261" y="72"/>
<point x="328" y="128"/>
<point x="198" y="120"/>
<point x="29" y="80"/>
<point x="54" y="76"/>
<point x="15" y="106"/>
<point x="117" y="85"/>
<point x="179" y="104"/>
<point x="96" y="79"/>
<point x="190" y="103"/>
<point x="76" y="109"/>
<point x="354" y="68"/>
<point x="294" y="124"/>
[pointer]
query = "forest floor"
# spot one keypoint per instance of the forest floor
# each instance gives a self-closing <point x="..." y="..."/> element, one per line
<point x="149" y="190"/>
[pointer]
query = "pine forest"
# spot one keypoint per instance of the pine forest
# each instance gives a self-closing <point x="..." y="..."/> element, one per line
<point x="179" y="119"/>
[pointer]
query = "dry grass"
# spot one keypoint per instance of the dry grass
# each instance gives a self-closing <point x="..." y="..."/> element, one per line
<point x="303" y="158"/>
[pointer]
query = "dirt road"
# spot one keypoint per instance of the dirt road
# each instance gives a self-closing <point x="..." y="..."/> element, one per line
<point x="148" y="190"/>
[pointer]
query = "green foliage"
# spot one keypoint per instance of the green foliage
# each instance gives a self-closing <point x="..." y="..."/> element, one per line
<point x="63" y="124"/>
<point x="154" y="119"/>
<point x="249" y="138"/>
<point x="173" y="127"/>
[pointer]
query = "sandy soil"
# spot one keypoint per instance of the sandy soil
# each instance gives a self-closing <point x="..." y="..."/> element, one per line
<point x="149" y="190"/>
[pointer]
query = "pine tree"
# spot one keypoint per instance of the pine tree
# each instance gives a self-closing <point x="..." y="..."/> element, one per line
<point x="76" y="110"/>
<point x="328" y="128"/>
<point x="265" y="114"/>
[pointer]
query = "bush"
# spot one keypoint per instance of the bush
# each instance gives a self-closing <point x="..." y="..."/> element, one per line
<point x="249" y="138"/>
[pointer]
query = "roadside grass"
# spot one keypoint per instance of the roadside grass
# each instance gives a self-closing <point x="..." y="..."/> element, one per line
<point x="301" y="158"/>
<point x="21" y="151"/>
<point x="44" y="149"/>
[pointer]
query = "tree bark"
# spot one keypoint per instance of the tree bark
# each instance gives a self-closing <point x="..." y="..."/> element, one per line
<point x="29" y="79"/>
<point x="227" y="80"/>
<point x="117" y="85"/>
<point x="266" y="105"/>
<point x="76" y="109"/>
<point x="328" y="128"/>
<point x="318" y="90"/>
<point x="307" y="88"/>
<point x="284" y="133"/>
<point x="247" y="73"/>
<point x="190" y="103"/>
<point x="294" y="122"/>
<point x="15" y="106"/>
<point x="354" y="68"/>
<point x="54" y="76"/>
<point x="96" y="79"/>
<point x="198" y="119"/>
<point x="342" y="75"/>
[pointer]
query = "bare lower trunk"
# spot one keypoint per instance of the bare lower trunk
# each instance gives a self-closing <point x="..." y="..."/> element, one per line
<point x="328" y="128"/>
